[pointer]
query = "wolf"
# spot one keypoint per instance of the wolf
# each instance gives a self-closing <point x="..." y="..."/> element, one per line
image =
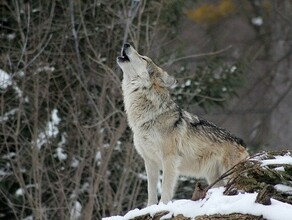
<point x="167" y="137"/>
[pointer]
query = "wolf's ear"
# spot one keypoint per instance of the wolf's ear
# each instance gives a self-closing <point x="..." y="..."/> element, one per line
<point x="167" y="80"/>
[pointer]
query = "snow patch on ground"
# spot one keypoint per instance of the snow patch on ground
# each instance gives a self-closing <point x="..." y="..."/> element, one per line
<point x="284" y="188"/>
<point x="286" y="159"/>
<point x="216" y="203"/>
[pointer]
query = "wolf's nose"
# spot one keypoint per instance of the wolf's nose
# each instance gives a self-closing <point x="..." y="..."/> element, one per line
<point x="126" y="45"/>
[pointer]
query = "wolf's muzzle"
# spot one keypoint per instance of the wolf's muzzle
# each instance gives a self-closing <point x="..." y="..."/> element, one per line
<point x="124" y="57"/>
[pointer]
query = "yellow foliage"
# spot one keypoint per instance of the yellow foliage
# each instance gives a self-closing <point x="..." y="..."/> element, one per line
<point x="226" y="7"/>
<point x="267" y="5"/>
<point x="211" y="13"/>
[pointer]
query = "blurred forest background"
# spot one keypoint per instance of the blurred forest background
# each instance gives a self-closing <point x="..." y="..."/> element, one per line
<point x="65" y="148"/>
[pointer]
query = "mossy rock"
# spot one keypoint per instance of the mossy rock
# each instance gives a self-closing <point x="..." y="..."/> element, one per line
<point x="263" y="171"/>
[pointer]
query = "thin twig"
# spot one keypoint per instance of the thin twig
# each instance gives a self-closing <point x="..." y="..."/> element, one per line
<point x="227" y="173"/>
<point x="74" y="33"/>
<point x="131" y="15"/>
<point x="39" y="53"/>
<point x="170" y="62"/>
<point x="24" y="38"/>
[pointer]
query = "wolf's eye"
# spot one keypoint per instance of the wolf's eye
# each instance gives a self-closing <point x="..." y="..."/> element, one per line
<point x="143" y="58"/>
<point x="150" y="72"/>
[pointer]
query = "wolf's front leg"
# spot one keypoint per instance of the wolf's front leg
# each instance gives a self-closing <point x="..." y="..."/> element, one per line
<point x="152" y="171"/>
<point x="170" y="174"/>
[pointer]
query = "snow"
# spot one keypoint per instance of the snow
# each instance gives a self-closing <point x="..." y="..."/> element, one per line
<point x="75" y="213"/>
<point x="286" y="159"/>
<point x="19" y="192"/>
<point x="9" y="155"/>
<point x="188" y="82"/>
<point x="74" y="162"/>
<point x="284" y="188"/>
<point x="5" y="79"/>
<point x="232" y="69"/>
<point x="60" y="154"/>
<point x="6" y="115"/>
<point x="60" y="151"/>
<point x="55" y="118"/>
<point x="277" y="160"/>
<point x="45" y="69"/>
<point x="257" y="21"/>
<point x="280" y="169"/>
<point x="35" y="10"/>
<point x="20" y="73"/>
<point x="142" y="176"/>
<point x="51" y="129"/>
<point x="11" y="36"/>
<point x="84" y="187"/>
<point x="118" y="146"/>
<point x="4" y="173"/>
<point x="98" y="158"/>
<point x="28" y="218"/>
<point x="216" y="203"/>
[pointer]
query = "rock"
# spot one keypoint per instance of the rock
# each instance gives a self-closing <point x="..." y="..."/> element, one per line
<point x="234" y="216"/>
<point x="199" y="192"/>
<point x="159" y="215"/>
<point x="261" y="173"/>
<point x="264" y="195"/>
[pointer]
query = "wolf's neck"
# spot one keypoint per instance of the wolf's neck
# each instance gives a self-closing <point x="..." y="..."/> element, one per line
<point x="144" y="104"/>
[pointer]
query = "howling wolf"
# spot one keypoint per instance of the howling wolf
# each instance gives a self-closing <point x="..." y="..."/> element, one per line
<point x="167" y="137"/>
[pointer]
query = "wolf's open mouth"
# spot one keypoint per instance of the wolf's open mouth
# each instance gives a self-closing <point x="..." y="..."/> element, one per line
<point x="123" y="57"/>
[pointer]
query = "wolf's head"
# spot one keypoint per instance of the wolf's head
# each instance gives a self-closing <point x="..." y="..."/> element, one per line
<point x="141" y="70"/>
